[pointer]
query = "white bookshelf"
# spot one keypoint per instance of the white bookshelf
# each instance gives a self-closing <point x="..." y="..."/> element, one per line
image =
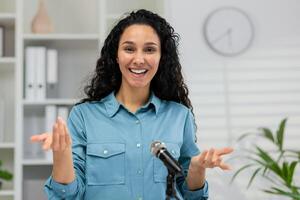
<point x="5" y="193"/>
<point x="61" y="37"/>
<point x="36" y="162"/>
<point x="7" y="94"/>
<point x="7" y="145"/>
<point x="69" y="102"/>
<point x="78" y="37"/>
<point x="7" y="60"/>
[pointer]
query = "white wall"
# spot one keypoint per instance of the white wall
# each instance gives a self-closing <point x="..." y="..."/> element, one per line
<point x="237" y="94"/>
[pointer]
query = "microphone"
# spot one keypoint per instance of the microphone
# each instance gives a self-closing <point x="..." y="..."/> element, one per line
<point x="159" y="150"/>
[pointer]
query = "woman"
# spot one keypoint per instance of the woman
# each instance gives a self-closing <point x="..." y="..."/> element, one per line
<point x="137" y="96"/>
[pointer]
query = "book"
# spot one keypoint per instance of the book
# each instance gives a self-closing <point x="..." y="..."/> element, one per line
<point x="1" y="41"/>
<point x="30" y="81"/>
<point x="52" y="66"/>
<point x="40" y="73"/>
<point x="63" y="112"/>
<point x="1" y="120"/>
<point x="50" y="118"/>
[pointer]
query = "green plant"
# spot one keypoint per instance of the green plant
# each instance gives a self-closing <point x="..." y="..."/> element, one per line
<point x="276" y="166"/>
<point x="5" y="175"/>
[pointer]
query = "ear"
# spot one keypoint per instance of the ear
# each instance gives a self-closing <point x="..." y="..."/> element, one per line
<point x="117" y="59"/>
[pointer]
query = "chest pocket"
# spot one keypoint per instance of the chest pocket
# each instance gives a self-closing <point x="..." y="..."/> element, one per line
<point x="160" y="171"/>
<point x="105" y="163"/>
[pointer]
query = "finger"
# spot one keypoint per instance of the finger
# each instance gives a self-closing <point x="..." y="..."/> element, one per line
<point x="224" y="151"/>
<point x="48" y="142"/>
<point x="210" y="156"/>
<point x="55" y="142"/>
<point x="68" y="137"/>
<point x="225" y="166"/>
<point x="218" y="162"/>
<point x="62" y="137"/>
<point x="38" y="138"/>
<point x="202" y="157"/>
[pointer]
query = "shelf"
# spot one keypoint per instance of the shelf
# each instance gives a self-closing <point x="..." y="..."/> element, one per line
<point x="35" y="162"/>
<point x="61" y="36"/>
<point x="7" y="60"/>
<point x="7" y="19"/>
<point x="7" y="193"/>
<point x="7" y="145"/>
<point x="69" y="102"/>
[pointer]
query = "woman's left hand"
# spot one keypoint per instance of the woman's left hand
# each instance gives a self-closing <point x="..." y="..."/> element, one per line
<point x="211" y="159"/>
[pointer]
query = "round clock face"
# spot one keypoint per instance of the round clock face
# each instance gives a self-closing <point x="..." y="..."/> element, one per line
<point x="228" y="31"/>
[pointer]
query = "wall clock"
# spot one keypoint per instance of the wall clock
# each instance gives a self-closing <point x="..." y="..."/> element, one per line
<point x="228" y="31"/>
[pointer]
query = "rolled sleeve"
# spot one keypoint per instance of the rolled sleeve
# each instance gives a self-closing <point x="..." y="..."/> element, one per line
<point x="61" y="191"/>
<point x="200" y="194"/>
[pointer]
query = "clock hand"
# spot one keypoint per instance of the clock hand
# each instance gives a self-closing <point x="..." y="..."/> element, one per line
<point x="221" y="36"/>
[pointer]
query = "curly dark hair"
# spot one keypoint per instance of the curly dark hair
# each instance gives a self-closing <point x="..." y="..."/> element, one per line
<point x="167" y="84"/>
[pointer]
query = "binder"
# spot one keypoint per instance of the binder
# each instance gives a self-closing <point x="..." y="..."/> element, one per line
<point x="40" y="73"/>
<point x="30" y="62"/>
<point x="52" y="66"/>
<point x="1" y="41"/>
<point x="1" y="120"/>
<point x="50" y="118"/>
<point x="63" y="112"/>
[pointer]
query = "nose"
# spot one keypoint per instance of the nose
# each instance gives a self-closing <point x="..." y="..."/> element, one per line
<point x="139" y="58"/>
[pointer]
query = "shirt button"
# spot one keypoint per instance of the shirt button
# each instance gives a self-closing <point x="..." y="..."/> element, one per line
<point x="173" y="152"/>
<point x="63" y="191"/>
<point x="139" y="171"/>
<point x="137" y="121"/>
<point x="140" y="198"/>
<point x="105" y="151"/>
<point x="138" y="145"/>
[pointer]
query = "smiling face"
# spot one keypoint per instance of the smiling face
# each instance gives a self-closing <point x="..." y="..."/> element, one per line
<point x="138" y="56"/>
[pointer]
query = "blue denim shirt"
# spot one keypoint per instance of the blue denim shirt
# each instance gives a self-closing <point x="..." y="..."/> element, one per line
<point x="111" y="151"/>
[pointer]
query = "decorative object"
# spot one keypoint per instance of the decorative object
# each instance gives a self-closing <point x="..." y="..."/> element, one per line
<point x="276" y="165"/>
<point x="41" y="22"/>
<point x="228" y="31"/>
<point x="4" y="175"/>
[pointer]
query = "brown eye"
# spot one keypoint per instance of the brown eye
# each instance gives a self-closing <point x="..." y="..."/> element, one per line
<point x="150" y="49"/>
<point x="129" y="49"/>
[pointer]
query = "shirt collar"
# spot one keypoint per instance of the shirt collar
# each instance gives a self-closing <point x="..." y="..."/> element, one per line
<point x="112" y="105"/>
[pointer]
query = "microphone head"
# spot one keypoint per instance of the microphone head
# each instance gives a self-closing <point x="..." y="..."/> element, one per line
<point x="156" y="146"/>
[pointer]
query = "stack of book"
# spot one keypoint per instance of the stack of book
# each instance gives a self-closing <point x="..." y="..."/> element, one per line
<point x="40" y="69"/>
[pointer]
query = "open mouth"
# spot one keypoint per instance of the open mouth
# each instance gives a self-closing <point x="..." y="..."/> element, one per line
<point x="138" y="71"/>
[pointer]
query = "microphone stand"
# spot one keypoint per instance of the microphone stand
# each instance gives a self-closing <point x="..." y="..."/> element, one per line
<point x="170" y="191"/>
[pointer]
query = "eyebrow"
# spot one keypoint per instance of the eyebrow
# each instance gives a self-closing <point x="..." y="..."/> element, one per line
<point x="147" y="43"/>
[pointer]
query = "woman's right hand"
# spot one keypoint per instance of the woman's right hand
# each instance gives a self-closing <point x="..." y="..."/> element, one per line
<point x="59" y="140"/>
<point x="61" y="144"/>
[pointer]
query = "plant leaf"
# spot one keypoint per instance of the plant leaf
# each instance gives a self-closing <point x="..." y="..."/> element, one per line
<point x="278" y="191"/>
<point x="291" y="171"/>
<point x="253" y="176"/>
<point x="6" y="175"/>
<point x="240" y="170"/>
<point x="270" y="163"/>
<point x="244" y="136"/>
<point x="267" y="133"/>
<point x="280" y="134"/>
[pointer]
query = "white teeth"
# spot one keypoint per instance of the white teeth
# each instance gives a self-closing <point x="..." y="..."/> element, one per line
<point x="138" y="71"/>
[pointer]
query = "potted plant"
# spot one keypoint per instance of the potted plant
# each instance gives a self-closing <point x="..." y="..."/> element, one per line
<point x="4" y="175"/>
<point x="276" y="165"/>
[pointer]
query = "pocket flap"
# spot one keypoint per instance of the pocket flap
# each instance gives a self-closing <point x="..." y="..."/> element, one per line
<point x="105" y="150"/>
